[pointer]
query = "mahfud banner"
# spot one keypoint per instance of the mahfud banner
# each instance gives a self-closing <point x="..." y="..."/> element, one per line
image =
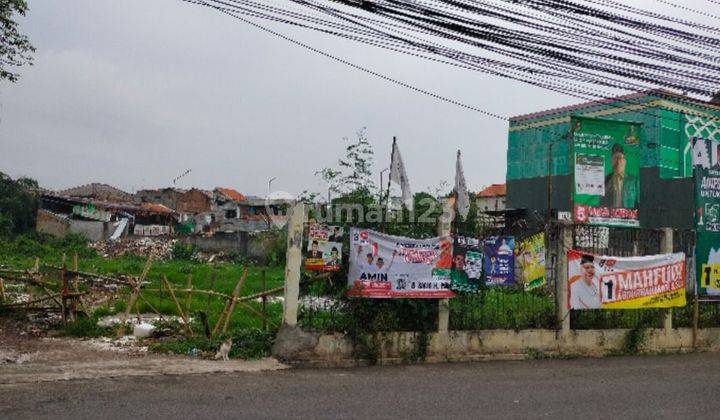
<point x="602" y="282"/>
<point x="385" y="266"/>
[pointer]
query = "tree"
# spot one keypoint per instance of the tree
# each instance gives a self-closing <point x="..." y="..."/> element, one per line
<point x="354" y="174"/>
<point x="15" y="48"/>
<point x="18" y="206"/>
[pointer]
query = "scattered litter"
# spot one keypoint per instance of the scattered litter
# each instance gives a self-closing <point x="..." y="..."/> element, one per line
<point x="113" y="320"/>
<point x="194" y="352"/>
<point x="143" y="330"/>
<point x="125" y="345"/>
<point x="10" y="357"/>
<point x="318" y="303"/>
<point x="160" y="247"/>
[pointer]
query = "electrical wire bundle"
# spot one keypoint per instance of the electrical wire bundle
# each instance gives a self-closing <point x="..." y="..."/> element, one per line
<point x="588" y="49"/>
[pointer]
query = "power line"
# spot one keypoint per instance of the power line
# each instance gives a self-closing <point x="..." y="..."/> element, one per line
<point x="357" y="67"/>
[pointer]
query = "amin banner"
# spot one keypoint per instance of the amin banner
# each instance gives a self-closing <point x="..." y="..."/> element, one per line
<point x="601" y="282"/>
<point x="704" y="137"/>
<point x="606" y="168"/>
<point x="385" y="266"/>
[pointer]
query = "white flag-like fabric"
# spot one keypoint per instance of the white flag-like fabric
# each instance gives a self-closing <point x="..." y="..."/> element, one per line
<point x="463" y="200"/>
<point x="399" y="176"/>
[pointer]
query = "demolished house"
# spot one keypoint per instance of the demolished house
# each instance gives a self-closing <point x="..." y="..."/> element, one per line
<point x="101" y="212"/>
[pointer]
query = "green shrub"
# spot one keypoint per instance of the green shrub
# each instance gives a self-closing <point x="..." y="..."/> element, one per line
<point x="181" y="251"/>
<point x="85" y="327"/>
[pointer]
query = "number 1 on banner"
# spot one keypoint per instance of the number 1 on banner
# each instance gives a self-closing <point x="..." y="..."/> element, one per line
<point x="711" y="276"/>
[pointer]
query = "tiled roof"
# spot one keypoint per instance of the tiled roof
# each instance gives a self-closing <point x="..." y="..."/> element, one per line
<point x="493" y="190"/>
<point x="232" y="194"/>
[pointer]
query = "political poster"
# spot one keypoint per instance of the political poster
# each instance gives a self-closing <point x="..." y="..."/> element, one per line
<point x="704" y="137"/>
<point x="466" y="272"/>
<point x="324" y="248"/>
<point x="499" y="260"/>
<point x="606" y="171"/>
<point x="602" y="282"/>
<point x="385" y="266"/>
<point x="530" y="261"/>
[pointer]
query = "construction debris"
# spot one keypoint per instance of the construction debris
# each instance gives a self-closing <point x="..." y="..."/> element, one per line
<point x="161" y="248"/>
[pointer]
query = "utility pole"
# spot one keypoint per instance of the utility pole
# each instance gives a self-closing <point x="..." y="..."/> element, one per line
<point x="270" y="184"/>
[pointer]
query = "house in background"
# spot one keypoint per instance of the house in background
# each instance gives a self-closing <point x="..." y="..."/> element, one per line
<point x="97" y="191"/>
<point x="492" y="198"/>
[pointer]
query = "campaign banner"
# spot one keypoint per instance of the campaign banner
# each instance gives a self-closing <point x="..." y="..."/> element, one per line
<point x="324" y="248"/>
<point x="602" y="282"/>
<point x="499" y="260"/>
<point x="385" y="266"/>
<point x="606" y="171"/>
<point x="466" y="272"/>
<point x="705" y="142"/>
<point x="530" y="261"/>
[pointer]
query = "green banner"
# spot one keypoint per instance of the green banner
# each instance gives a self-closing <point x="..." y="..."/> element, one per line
<point x="705" y="144"/>
<point x="606" y="171"/>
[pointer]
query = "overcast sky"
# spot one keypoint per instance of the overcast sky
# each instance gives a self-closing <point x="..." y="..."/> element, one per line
<point x="134" y="92"/>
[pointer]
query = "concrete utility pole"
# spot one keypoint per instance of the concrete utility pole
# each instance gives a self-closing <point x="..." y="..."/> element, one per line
<point x="293" y="261"/>
<point x="667" y="248"/>
<point x="444" y="228"/>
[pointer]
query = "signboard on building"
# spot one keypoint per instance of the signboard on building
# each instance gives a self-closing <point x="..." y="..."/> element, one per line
<point x="704" y="137"/>
<point x="324" y="248"/>
<point x="606" y="162"/>
<point x="385" y="266"/>
<point x="530" y="261"/>
<point x="602" y="282"/>
<point x="499" y="260"/>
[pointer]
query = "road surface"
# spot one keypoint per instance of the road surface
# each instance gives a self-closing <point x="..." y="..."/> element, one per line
<point x="673" y="386"/>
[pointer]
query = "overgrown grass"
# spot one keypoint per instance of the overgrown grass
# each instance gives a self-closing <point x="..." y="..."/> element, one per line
<point x="248" y="343"/>
<point x="85" y="327"/>
<point x="220" y="277"/>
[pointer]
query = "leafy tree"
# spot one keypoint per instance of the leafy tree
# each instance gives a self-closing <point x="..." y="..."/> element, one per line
<point x="15" y="48"/>
<point x="18" y="205"/>
<point x="354" y="173"/>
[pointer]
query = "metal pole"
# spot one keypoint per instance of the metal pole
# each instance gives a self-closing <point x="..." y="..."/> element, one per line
<point x="270" y="184"/>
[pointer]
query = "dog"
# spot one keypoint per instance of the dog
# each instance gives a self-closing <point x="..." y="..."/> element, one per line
<point x="224" y="350"/>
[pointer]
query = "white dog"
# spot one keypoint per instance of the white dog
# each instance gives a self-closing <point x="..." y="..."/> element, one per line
<point x="224" y="349"/>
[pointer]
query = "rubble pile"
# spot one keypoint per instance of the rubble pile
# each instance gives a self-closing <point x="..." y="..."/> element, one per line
<point x="160" y="247"/>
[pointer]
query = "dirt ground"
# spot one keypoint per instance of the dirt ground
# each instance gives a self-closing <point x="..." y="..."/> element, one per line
<point x="29" y="355"/>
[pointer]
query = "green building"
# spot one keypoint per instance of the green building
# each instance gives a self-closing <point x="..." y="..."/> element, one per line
<point x="540" y="162"/>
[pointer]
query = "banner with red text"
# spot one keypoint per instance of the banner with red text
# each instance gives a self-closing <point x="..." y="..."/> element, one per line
<point x="602" y="282"/>
<point x="385" y="266"/>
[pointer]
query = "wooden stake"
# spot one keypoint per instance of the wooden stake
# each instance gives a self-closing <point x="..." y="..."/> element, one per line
<point x="189" y="295"/>
<point x="36" y="267"/>
<point x="230" y="305"/>
<point x="177" y="305"/>
<point x="264" y="301"/>
<point x="76" y="278"/>
<point x="213" y="275"/>
<point x="2" y="290"/>
<point x="234" y="300"/>
<point x="134" y="296"/>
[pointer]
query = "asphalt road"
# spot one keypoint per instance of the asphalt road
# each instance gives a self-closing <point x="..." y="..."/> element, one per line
<point x="676" y="386"/>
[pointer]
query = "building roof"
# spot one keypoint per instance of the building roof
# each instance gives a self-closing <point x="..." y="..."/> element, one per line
<point x="231" y="194"/>
<point x="153" y="208"/>
<point x="494" y="190"/>
<point x="630" y="99"/>
<point x="97" y="191"/>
